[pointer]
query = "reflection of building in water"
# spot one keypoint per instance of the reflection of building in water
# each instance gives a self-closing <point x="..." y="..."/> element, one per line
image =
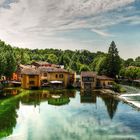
<point x="111" y="105"/>
<point x="71" y="93"/>
<point x="110" y="102"/>
<point x="34" y="98"/>
<point x="9" y="93"/>
<point x="53" y="97"/>
<point x="87" y="97"/>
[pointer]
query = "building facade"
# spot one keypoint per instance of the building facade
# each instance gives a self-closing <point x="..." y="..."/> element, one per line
<point x="91" y="81"/>
<point x="88" y="80"/>
<point x="30" y="79"/>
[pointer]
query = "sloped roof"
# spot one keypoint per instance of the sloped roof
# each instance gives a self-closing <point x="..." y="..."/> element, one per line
<point x="51" y="69"/>
<point x="44" y="63"/>
<point x="26" y="66"/>
<point x="104" y="77"/>
<point x="41" y="62"/>
<point x="88" y="74"/>
<point x="30" y="71"/>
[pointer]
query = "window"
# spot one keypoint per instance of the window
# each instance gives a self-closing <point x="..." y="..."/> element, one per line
<point x="56" y="76"/>
<point x="45" y="74"/>
<point x="88" y="79"/>
<point x="61" y="76"/>
<point x="31" y="76"/>
<point x="31" y="82"/>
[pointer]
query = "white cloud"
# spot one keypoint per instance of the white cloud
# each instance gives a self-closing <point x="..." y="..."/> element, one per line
<point x="101" y="33"/>
<point x="1" y="2"/>
<point x="35" y="23"/>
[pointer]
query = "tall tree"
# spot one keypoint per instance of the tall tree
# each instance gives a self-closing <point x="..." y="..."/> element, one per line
<point x="113" y="61"/>
<point x="10" y="63"/>
<point x="2" y="63"/>
<point x="129" y="62"/>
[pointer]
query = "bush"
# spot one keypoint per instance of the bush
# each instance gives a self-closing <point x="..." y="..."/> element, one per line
<point x="118" y="88"/>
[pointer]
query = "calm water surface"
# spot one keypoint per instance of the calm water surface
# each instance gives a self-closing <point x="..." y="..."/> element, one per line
<point x="66" y="115"/>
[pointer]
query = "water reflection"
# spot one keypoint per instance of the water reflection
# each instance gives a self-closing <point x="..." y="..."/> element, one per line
<point x="110" y="103"/>
<point x="73" y="122"/>
<point x="53" y="97"/>
<point x="6" y="93"/>
<point x="8" y="117"/>
<point x="35" y="98"/>
<point x="87" y="97"/>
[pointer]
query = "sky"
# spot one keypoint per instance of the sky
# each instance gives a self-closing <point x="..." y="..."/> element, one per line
<point x="72" y="24"/>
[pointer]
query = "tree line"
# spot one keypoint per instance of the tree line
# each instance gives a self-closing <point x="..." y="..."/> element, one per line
<point x="79" y="60"/>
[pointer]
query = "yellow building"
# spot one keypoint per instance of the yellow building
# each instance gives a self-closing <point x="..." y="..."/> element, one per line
<point x="30" y="78"/>
<point x="56" y="77"/>
<point x="104" y="81"/>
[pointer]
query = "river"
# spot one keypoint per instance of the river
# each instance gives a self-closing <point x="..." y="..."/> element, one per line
<point x="132" y="96"/>
<point x="67" y="115"/>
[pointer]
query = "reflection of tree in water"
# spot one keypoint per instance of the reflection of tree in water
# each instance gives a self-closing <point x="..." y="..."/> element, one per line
<point x="8" y="117"/>
<point x="111" y="105"/>
<point x="36" y="97"/>
<point x="68" y="93"/>
<point x="60" y="97"/>
<point x="62" y="100"/>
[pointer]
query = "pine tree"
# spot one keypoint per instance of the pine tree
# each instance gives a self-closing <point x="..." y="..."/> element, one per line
<point x="113" y="61"/>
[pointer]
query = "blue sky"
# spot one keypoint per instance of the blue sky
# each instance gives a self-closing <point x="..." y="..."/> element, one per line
<point x="72" y="24"/>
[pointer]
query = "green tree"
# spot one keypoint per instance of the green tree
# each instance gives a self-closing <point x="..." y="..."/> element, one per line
<point x="137" y="62"/>
<point x="2" y="63"/>
<point x="10" y="63"/>
<point x="84" y="68"/>
<point x="52" y="58"/>
<point x="113" y="61"/>
<point x="24" y="58"/>
<point x="129" y="62"/>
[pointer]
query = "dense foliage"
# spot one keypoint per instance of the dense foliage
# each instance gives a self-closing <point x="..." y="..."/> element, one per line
<point x="110" y="63"/>
<point x="7" y="60"/>
<point x="130" y="72"/>
<point x="78" y="60"/>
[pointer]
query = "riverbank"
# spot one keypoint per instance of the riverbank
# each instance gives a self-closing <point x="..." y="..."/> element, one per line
<point x="123" y="96"/>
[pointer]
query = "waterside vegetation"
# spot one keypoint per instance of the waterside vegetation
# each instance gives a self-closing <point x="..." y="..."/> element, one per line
<point x="109" y="64"/>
